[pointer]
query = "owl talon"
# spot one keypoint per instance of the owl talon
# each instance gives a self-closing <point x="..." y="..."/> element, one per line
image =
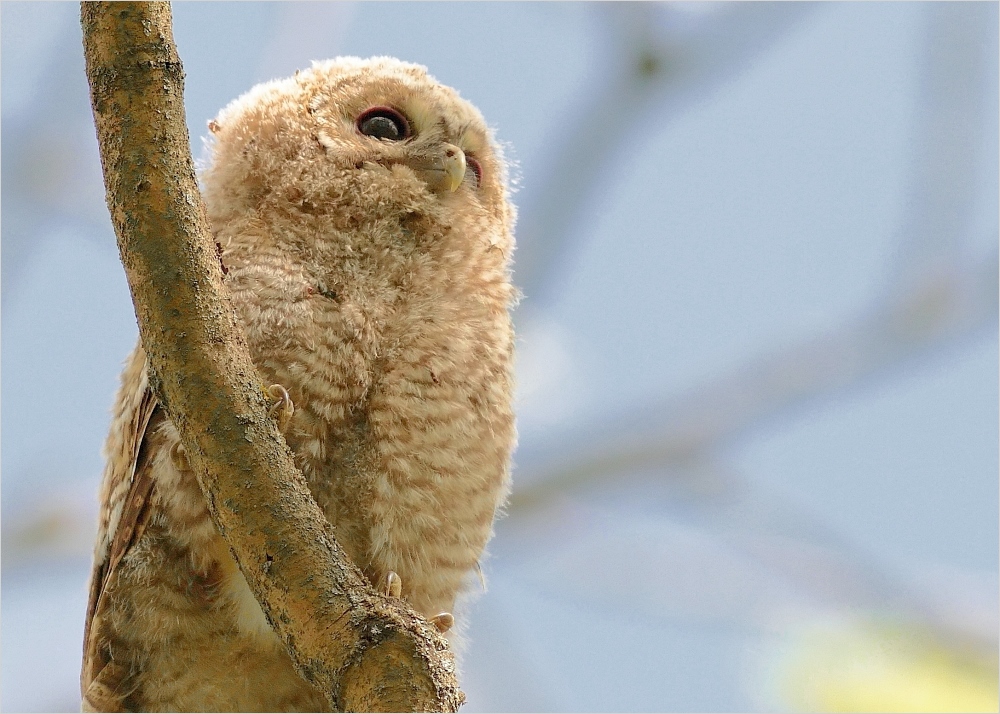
<point x="443" y="622"/>
<point x="178" y="456"/>
<point x="283" y="409"/>
<point x="393" y="585"/>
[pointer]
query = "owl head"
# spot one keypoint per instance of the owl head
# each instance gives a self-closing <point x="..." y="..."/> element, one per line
<point x="351" y="142"/>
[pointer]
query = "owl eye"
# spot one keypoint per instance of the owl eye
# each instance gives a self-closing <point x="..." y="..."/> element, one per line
<point x="384" y="123"/>
<point x="477" y="169"/>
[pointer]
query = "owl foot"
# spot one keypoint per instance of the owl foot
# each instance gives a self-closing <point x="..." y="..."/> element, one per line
<point x="443" y="621"/>
<point x="108" y="691"/>
<point x="393" y="585"/>
<point x="283" y="408"/>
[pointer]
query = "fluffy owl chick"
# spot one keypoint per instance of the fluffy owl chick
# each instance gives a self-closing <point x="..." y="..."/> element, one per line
<point x="364" y="227"/>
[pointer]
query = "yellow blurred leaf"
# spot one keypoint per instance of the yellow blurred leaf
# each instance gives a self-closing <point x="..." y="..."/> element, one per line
<point x="887" y="668"/>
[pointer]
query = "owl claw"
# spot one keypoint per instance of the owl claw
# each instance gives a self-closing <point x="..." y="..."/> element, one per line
<point x="283" y="408"/>
<point x="443" y="621"/>
<point x="393" y="585"/>
<point x="178" y="456"/>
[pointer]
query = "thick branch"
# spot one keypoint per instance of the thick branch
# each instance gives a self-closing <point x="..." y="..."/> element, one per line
<point x="364" y="651"/>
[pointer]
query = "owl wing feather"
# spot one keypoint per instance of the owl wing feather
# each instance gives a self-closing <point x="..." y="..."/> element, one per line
<point x="126" y="492"/>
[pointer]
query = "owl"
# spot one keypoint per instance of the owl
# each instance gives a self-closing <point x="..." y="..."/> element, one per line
<point x="363" y="223"/>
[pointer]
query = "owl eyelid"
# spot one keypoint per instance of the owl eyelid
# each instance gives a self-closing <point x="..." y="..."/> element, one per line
<point x="368" y="125"/>
<point x="477" y="168"/>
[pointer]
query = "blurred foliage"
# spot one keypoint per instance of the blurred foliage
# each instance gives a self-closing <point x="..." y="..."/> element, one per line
<point x="880" y="667"/>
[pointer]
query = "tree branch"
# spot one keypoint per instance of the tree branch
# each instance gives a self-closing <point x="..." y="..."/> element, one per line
<point x="935" y="313"/>
<point x="366" y="652"/>
<point x="645" y="65"/>
<point x="953" y="117"/>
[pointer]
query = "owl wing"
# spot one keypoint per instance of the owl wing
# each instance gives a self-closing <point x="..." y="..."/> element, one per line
<point x="126" y="490"/>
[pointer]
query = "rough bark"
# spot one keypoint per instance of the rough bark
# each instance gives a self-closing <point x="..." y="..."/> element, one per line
<point x="366" y="652"/>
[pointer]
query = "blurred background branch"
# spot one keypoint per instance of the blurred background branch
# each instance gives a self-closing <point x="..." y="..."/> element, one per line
<point x="933" y="237"/>
<point x="656" y="61"/>
<point x="939" y="295"/>
<point x="937" y="314"/>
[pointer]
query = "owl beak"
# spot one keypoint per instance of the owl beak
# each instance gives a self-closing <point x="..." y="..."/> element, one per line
<point x="445" y="173"/>
<point x="454" y="167"/>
